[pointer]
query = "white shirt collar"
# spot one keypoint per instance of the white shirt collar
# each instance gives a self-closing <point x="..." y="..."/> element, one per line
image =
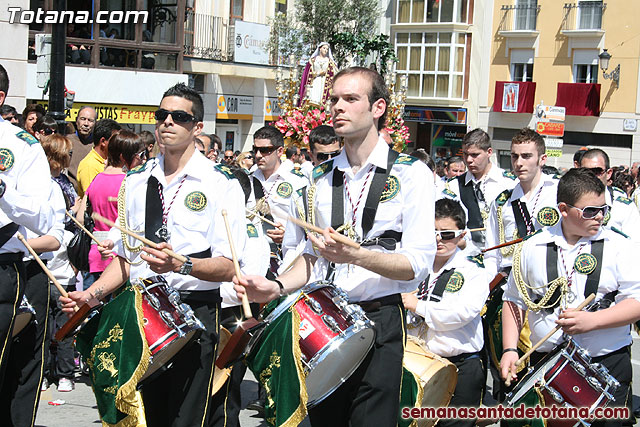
<point x="495" y="173"/>
<point x="377" y="157"/>
<point x="518" y="192"/>
<point x="195" y="167"/>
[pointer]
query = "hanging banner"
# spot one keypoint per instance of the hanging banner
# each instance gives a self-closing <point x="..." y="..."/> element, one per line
<point x="510" y="97"/>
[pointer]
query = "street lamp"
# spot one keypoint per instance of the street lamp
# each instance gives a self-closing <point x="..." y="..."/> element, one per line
<point x="604" y="65"/>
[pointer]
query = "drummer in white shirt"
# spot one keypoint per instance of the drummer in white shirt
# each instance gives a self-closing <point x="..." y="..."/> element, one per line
<point x="592" y="259"/>
<point x="447" y="308"/>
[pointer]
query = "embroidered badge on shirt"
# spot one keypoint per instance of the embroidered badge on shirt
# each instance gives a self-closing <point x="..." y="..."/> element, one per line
<point x="322" y="169"/>
<point x="195" y="201"/>
<point x="455" y="282"/>
<point x="391" y="189"/>
<point x="27" y="137"/>
<point x="6" y="159"/>
<point x="509" y="175"/>
<point x="477" y="260"/>
<point x="624" y="200"/>
<point x="252" y="231"/>
<point x="585" y="263"/>
<point x="405" y="159"/>
<point x="284" y="190"/>
<point x="548" y="216"/>
<point x="607" y="217"/>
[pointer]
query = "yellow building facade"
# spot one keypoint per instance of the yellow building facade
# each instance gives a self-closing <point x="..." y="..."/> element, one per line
<point x="549" y="53"/>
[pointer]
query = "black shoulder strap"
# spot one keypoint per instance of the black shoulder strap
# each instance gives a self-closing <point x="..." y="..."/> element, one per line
<point x="258" y="191"/>
<point x="552" y="271"/>
<point x="7" y="232"/>
<point x="521" y="221"/>
<point x="305" y="203"/>
<point x="468" y="198"/>
<point x="591" y="286"/>
<point x="153" y="210"/>
<point x="441" y="284"/>
<point x="375" y="191"/>
<point x="337" y="199"/>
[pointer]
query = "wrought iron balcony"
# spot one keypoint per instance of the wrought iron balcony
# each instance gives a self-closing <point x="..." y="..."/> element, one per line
<point x="585" y="15"/>
<point x="519" y="18"/>
<point x="207" y="37"/>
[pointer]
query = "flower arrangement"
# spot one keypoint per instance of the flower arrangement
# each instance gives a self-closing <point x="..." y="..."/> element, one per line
<point x="296" y="124"/>
<point x="398" y="131"/>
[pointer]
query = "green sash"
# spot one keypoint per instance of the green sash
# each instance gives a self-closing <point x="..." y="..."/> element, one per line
<point x="114" y="345"/>
<point x="530" y="400"/>
<point x="410" y="396"/>
<point x="277" y="364"/>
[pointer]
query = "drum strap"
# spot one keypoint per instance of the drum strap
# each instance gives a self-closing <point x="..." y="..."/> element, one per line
<point x="468" y="198"/>
<point x="258" y="192"/>
<point x="305" y="202"/>
<point x="7" y="232"/>
<point x="438" y="289"/>
<point x="153" y="210"/>
<point x="520" y="209"/>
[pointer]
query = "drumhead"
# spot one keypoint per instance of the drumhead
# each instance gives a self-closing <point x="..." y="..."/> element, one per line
<point x="529" y="380"/>
<point x="221" y="376"/>
<point x="20" y="322"/>
<point x="335" y="363"/>
<point x="167" y="353"/>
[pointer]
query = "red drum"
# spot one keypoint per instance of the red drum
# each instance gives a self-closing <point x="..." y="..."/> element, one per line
<point x="566" y="377"/>
<point x="169" y="324"/>
<point x="23" y="317"/>
<point x="335" y="336"/>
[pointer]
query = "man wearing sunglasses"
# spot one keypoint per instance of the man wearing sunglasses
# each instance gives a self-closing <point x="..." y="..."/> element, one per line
<point x="396" y="245"/>
<point x="176" y="199"/>
<point x="591" y="259"/>
<point x="624" y="216"/>
<point x="445" y="311"/>
<point x="480" y="185"/>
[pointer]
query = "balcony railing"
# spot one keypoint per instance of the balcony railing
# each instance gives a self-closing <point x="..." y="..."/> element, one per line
<point x="519" y="17"/>
<point x="586" y="15"/>
<point x="207" y="37"/>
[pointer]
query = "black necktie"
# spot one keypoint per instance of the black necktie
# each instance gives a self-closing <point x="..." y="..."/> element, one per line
<point x="153" y="211"/>
<point x="478" y="191"/>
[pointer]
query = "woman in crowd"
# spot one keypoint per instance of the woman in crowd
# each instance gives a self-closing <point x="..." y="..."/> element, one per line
<point x="245" y="160"/>
<point x="126" y="150"/>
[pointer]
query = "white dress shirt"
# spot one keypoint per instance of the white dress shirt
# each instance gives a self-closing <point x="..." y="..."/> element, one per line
<point x="544" y="195"/>
<point x="624" y="214"/>
<point x="453" y="324"/>
<point x="618" y="272"/>
<point x="279" y="188"/>
<point x="56" y="200"/>
<point x="410" y="211"/>
<point x="193" y="229"/>
<point x="28" y="185"/>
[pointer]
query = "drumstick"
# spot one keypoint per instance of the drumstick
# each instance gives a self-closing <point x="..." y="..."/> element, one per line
<point x="143" y="239"/>
<point x="337" y="237"/>
<point x="245" y="301"/>
<point x="44" y="267"/>
<point x="263" y="219"/>
<point x="83" y="228"/>
<point x="546" y="337"/>
<point x="502" y="245"/>
<point x="471" y="230"/>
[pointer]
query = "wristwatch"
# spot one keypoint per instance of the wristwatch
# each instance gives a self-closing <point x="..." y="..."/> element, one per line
<point x="186" y="267"/>
<point x="3" y="187"/>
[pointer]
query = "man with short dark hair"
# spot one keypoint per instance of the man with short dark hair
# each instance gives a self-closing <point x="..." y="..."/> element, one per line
<point x="396" y="249"/>
<point x="192" y="226"/>
<point x="324" y="144"/>
<point x="228" y="158"/>
<point x="559" y="267"/>
<point x="624" y="215"/>
<point x="94" y="162"/>
<point x="25" y="188"/>
<point x="455" y="167"/>
<point x="9" y="113"/>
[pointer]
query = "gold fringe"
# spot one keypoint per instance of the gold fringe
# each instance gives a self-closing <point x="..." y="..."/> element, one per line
<point x="301" y="412"/>
<point x="507" y="250"/>
<point x="122" y="218"/>
<point x="128" y="399"/>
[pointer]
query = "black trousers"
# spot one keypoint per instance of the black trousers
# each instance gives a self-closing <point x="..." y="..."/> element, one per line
<point x="181" y="395"/>
<point x="21" y="385"/>
<point x="227" y="402"/>
<point x="469" y="389"/>
<point x="59" y="363"/>
<point x="12" y="276"/>
<point x="371" y="395"/>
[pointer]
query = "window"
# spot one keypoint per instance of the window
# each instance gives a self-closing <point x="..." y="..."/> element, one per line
<point x="585" y="66"/>
<point x="522" y="65"/>
<point x="281" y="6"/>
<point x="590" y="15"/>
<point x="433" y="62"/>
<point x="526" y="12"/>
<point x="237" y="6"/>
<point x="431" y="11"/>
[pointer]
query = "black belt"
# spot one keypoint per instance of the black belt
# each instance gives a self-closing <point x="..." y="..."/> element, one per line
<point x="208" y="296"/>
<point x="202" y="254"/>
<point x="11" y="257"/>
<point x="463" y="356"/>
<point x="388" y="240"/>
<point x="376" y="304"/>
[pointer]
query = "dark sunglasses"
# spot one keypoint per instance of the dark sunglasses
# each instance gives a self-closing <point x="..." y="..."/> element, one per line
<point x="142" y="155"/>
<point x="249" y="158"/>
<point x="590" y="212"/>
<point x="326" y="156"/>
<point x="70" y="153"/>
<point x="597" y="171"/>
<point x="178" y="116"/>
<point x="448" y="234"/>
<point x="48" y="131"/>
<point x="228" y="157"/>
<point x="265" y="151"/>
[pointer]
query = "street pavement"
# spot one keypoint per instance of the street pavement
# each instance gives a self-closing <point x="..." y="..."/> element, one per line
<point x="79" y="408"/>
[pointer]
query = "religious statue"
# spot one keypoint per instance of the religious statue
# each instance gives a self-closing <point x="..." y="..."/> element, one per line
<point x="317" y="77"/>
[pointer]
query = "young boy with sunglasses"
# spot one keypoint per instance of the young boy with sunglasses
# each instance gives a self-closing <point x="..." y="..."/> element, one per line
<point x="445" y="311"/>
<point x="592" y="259"/>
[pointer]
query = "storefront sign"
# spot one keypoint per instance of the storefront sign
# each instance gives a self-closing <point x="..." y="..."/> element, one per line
<point x="446" y="141"/>
<point x="549" y="112"/>
<point x="272" y="109"/>
<point x="235" y="107"/>
<point x="251" y="43"/>
<point x="436" y="115"/>
<point x="553" y="147"/>
<point x="550" y="128"/>
<point x="124" y="114"/>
